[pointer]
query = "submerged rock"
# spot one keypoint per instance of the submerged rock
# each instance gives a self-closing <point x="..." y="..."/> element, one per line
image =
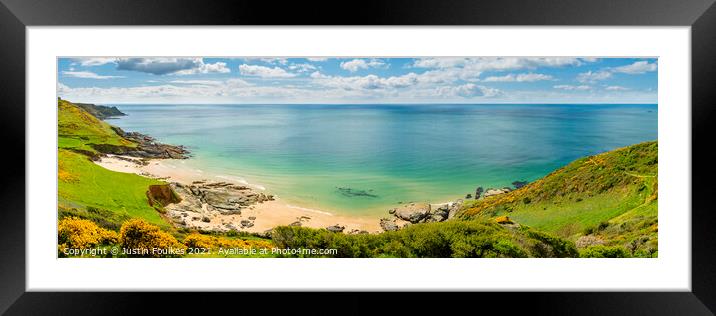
<point x="349" y="192"/>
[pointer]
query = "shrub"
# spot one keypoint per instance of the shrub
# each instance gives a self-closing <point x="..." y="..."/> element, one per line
<point x="196" y="240"/>
<point x="77" y="233"/>
<point x="147" y="240"/>
<point x="503" y="220"/>
<point x="475" y="238"/>
<point x="604" y="252"/>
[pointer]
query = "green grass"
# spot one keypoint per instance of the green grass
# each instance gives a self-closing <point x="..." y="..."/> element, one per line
<point x="612" y="196"/>
<point x="93" y="189"/>
<point x="79" y="131"/>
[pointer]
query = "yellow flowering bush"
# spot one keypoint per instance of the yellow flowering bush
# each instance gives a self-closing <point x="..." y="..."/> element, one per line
<point x="77" y="233"/>
<point x="144" y="239"/>
<point x="196" y="240"/>
<point x="503" y="220"/>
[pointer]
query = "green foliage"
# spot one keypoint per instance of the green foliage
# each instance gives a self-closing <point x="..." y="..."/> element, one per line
<point x="104" y="218"/>
<point x="603" y="252"/>
<point x="474" y="239"/>
<point x="114" y="196"/>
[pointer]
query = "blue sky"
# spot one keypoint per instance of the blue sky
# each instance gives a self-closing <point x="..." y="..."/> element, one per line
<point x="358" y="80"/>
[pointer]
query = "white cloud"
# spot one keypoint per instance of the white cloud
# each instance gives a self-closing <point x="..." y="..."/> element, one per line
<point x="638" y="67"/>
<point x="526" y="77"/>
<point x="356" y="64"/>
<point x="282" y="61"/>
<point x="319" y="75"/>
<point x="264" y="72"/>
<point x="440" y="62"/>
<point x="591" y="77"/>
<point x="218" y="67"/>
<point x="482" y="64"/>
<point x="163" y="66"/>
<point x="369" y="82"/>
<point x="207" y="82"/>
<point x="95" y="61"/>
<point x="452" y="69"/>
<point x="302" y="67"/>
<point x="317" y="59"/>
<point x="87" y="75"/>
<point x="617" y="88"/>
<point x="467" y="90"/>
<point x="571" y="87"/>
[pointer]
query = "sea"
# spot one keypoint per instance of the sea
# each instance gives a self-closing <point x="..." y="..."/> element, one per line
<point x="365" y="159"/>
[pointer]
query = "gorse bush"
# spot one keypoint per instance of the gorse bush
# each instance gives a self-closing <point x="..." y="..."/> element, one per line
<point x="146" y="239"/>
<point x="196" y="240"/>
<point x="77" y="233"/>
<point x="481" y="239"/>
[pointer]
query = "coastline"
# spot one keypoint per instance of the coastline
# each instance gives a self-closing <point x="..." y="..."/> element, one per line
<point x="267" y="214"/>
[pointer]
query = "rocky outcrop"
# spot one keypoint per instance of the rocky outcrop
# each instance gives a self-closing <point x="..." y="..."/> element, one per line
<point x="336" y="228"/>
<point x="412" y="212"/>
<point x="519" y="184"/>
<point x="161" y="195"/>
<point x="453" y="208"/>
<point x="493" y="192"/>
<point x="205" y="205"/>
<point x="101" y="112"/>
<point x="478" y="193"/>
<point x="481" y="193"/>
<point x="147" y="147"/>
<point x="388" y="225"/>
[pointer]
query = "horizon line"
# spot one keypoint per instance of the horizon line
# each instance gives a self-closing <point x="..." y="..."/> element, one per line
<point x="435" y="103"/>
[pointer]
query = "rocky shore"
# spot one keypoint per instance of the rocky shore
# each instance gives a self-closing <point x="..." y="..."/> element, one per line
<point x="213" y="206"/>
<point x="414" y="213"/>
<point x="147" y="147"/>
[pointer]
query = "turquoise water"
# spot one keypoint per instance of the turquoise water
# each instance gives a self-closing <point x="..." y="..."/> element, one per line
<point x="385" y="154"/>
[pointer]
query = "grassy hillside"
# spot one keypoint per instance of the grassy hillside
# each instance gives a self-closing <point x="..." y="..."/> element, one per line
<point x="611" y="197"/>
<point x="78" y="130"/>
<point x="86" y="186"/>
<point x="88" y="190"/>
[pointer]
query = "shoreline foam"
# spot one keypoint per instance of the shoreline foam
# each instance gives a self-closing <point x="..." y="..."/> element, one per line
<point x="268" y="214"/>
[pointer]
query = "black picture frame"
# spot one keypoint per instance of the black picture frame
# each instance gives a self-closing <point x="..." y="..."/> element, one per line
<point x="16" y="15"/>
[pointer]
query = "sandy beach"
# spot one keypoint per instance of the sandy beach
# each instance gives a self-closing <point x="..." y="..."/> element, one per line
<point x="268" y="214"/>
